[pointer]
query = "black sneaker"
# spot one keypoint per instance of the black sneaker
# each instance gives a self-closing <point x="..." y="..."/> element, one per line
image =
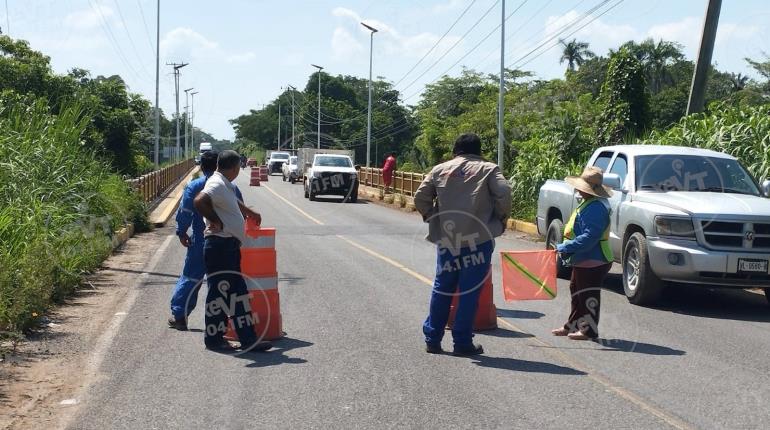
<point x="178" y="324"/>
<point x="258" y="347"/>
<point x="433" y="348"/>
<point x="221" y="346"/>
<point x="467" y="351"/>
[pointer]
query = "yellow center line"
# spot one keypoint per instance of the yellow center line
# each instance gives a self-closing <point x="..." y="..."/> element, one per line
<point x="560" y="355"/>
<point x="294" y="206"/>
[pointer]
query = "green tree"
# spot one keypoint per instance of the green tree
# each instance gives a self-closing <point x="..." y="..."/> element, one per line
<point x="624" y="99"/>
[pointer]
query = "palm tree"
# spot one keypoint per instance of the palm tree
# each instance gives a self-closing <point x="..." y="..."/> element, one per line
<point x="574" y="53"/>
<point x="738" y="81"/>
<point x="656" y="58"/>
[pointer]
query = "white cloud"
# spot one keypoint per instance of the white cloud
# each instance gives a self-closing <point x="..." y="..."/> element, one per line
<point x="241" y="58"/>
<point x="344" y="45"/>
<point x="448" y="6"/>
<point x="185" y="44"/>
<point x="601" y="35"/>
<point x="685" y="31"/>
<point x="90" y="18"/>
<point x="390" y="40"/>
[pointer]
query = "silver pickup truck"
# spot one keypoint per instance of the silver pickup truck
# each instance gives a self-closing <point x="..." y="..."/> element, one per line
<point x="677" y="215"/>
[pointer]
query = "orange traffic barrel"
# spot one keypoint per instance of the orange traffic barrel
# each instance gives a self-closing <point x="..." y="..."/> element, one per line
<point x="259" y="269"/>
<point x="486" y="312"/>
<point x="254" y="181"/>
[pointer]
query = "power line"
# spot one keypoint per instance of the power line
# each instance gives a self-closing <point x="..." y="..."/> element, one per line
<point x="113" y="41"/>
<point x="516" y="31"/>
<point x="566" y="27"/>
<point x="128" y="33"/>
<point x="363" y="112"/>
<point x="146" y="27"/>
<point x="453" y="46"/>
<point x="436" y="44"/>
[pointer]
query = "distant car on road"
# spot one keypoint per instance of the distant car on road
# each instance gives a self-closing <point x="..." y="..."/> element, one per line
<point x="290" y="170"/>
<point x="276" y="161"/>
<point x="332" y="174"/>
<point x="677" y="214"/>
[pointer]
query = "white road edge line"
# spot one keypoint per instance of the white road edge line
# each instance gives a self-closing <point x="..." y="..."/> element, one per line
<point x="103" y="343"/>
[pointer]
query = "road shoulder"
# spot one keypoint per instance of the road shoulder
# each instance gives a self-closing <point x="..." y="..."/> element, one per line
<point x="42" y="380"/>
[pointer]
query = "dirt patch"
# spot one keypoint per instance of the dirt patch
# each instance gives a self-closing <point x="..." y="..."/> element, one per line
<point x="48" y="369"/>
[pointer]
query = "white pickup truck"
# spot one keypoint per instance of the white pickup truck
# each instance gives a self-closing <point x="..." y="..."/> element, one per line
<point x="332" y="174"/>
<point x="677" y="214"/>
<point x="276" y="160"/>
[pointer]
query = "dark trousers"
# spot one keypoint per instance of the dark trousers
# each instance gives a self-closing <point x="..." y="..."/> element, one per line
<point x="227" y="295"/>
<point x="460" y="275"/>
<point x="585" y="287"/>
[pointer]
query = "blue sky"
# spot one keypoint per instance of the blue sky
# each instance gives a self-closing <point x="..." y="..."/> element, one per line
<point x="241" y="52"/>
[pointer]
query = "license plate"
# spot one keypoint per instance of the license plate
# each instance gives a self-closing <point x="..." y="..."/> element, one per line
<point x="754" y="266"/>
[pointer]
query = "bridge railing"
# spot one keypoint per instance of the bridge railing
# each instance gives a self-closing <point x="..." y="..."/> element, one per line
<point x="154" y="184"/>
<point x="405" y="183"/>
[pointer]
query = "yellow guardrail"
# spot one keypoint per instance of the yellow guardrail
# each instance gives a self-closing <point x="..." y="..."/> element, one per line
<point x="405" y="183"/>
<point x="154" y="184"/>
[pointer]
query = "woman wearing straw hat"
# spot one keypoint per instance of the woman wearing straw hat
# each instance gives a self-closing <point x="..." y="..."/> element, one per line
<point x="586" y="248"/>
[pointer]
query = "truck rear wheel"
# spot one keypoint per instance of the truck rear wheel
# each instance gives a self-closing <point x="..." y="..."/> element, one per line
<point x="552" y="238"/>
<point x="641" y="285"/>
<point x="304" y="186"/>
<point x="311" y="193"/>
<point x="767" y="295"/>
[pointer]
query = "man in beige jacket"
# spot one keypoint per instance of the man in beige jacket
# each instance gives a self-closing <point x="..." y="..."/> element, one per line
<point x="466" y="202"/>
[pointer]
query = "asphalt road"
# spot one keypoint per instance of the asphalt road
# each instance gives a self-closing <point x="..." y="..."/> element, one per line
<point x="354" y="295"/>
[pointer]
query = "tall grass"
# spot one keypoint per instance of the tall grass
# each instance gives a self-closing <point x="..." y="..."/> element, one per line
<point x="741" y="132"/>
<point x="59" y="206"/>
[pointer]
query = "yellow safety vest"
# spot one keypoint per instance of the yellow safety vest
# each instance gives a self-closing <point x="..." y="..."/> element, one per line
<point x="604" y="242"/>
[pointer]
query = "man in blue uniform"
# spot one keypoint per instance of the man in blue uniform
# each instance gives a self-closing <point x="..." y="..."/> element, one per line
<point x="185" y="295"/>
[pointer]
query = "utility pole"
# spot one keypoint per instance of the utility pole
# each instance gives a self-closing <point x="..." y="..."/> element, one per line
<point x="279" y="124"/>
<point x="187" y="122"/>
<point x="157" y="87"/>
<point x="319" y="103"/>
<point x="501" y="96"/>
<point x="293" y="146"/>
<point x="192" y="120"/>
<point x="176" y="67"/>
<point x="702" y="65"/>
<point x="369" y="113"/>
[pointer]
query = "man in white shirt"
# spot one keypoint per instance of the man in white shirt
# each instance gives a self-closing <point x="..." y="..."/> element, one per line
<point x="227" y="294"/>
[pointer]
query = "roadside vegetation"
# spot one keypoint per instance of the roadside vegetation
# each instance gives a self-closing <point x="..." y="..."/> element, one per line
<point x="635" y="94"/>
<point x="67" y="144"/>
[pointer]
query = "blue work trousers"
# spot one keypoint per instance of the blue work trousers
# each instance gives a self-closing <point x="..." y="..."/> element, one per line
<point x="185" y="295"/>
<point x="460" y="273"/>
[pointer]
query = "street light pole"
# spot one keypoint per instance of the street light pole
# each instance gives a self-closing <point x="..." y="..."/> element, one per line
<point x="192" y="120"/>
<point x="369" y="113"/>
<point x="176" y="91"/>
<point x="157" y="87"/>
<point x="187" y="122"/>
<point x="293" y="146"/>
<point x="319" y="103"/>
<point x="279" y="125"/>
<point x="501" y="96"/>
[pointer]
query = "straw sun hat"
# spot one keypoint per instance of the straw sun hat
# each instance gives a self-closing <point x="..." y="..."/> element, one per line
<point x="590" y="182"/>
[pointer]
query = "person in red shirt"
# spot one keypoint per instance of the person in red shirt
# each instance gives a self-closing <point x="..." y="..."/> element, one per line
<point x="387" y="170"/>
